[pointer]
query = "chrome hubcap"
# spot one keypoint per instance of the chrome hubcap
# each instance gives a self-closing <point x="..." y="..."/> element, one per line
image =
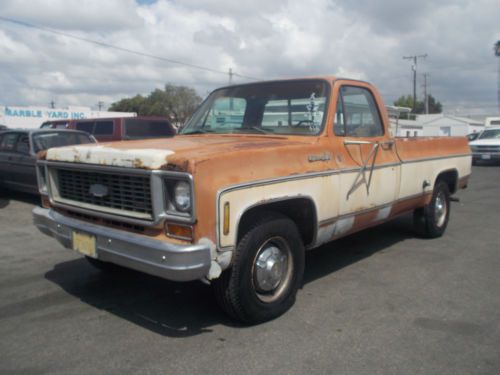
<point x="272" y="269"/>
<point x="440" y="209"/>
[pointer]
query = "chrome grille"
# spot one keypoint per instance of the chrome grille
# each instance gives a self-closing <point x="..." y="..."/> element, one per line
<point x="130" y="195"/>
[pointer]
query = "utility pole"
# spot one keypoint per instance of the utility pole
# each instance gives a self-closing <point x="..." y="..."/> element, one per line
<point x="231" y="101"/>
<point x="414" y="68"/>
<point x="100" y="104"/>
<point x="426" y="95"/>
<point x="497" y="54"/>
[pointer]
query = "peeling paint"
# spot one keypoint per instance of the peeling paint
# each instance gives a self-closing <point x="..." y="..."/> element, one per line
<point x="325" y="234"/>
<point x="383" y="213"/>
<point x="343" y="225"/>
<point x="102" y="155"/>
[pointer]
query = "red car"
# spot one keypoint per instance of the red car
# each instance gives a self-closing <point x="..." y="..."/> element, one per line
<point x="118" y="128"/>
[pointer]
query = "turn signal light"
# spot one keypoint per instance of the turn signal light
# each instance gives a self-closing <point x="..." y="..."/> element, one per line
<point x="226" y="219"/>
<point x="181" y="232"/>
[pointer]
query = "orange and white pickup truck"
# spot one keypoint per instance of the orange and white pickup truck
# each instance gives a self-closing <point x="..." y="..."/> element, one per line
<point x="261" y="173"/>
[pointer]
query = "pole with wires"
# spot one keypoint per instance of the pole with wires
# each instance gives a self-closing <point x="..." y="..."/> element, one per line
<point x="414" y="68"/>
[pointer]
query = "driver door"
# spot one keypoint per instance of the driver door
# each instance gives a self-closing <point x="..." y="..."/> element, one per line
<point x="371" y="169"/>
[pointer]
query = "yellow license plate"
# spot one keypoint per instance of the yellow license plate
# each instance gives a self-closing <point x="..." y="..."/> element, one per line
<point x="85" y="244"/>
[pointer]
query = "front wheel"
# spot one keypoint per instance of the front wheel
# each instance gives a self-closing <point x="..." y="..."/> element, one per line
<point x="431" y="221"/>
<point x="266" y="273"/>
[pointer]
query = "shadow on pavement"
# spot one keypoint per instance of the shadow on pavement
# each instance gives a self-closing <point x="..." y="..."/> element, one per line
<point x="6" y="196"/>
<point x="341" y="253"/>
<point x="188" y="309"/>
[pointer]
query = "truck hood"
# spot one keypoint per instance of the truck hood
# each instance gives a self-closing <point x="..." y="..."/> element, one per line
<point x="485" y="142"/>
<point x="158" y="153"/>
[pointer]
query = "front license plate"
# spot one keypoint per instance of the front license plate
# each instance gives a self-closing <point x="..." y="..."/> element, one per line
<point x="84" y="244"/>
<point x="486" y="156"/>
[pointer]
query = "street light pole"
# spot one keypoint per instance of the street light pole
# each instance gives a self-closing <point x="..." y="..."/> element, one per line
<point x="414" y="68"/>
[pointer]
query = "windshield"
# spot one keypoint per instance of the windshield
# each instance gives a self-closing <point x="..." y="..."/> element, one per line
<point x="43" y="141"/>
<point x="140" y="128"/>
<point x="289" y="108"/>
<point x="490" y="134"/>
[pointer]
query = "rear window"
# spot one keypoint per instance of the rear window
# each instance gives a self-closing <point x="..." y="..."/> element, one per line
<point x="96" y="127"/>
<point x="43" y="141"/>
<point x="136" y="128"/>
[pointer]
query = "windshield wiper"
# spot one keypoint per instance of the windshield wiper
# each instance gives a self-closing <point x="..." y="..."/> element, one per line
<point x="198" y="131"/>
<point x="256" y="128"/>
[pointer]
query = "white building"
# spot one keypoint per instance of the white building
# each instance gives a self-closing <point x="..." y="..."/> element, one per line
<point x="437" y="125"/>
<point x="34" y="116"/>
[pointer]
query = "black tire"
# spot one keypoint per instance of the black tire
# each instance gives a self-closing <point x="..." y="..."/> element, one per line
<point x="103" y="266"/>
<point x="248" y="291"/>
<point x="431" y="221"/>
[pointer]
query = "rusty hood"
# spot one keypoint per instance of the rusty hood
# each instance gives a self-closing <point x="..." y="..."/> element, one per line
<point x="159" y="153"/>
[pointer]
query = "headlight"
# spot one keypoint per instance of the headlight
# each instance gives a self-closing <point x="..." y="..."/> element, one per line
<point x="182" y="196"/>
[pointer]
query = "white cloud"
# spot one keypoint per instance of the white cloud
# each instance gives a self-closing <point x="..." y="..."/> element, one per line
<point x="260" y="38"/>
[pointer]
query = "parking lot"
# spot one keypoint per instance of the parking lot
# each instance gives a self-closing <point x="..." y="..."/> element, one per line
<point x="378" y="302"/>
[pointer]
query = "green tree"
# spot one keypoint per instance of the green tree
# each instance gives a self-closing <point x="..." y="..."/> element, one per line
<point x="174" y="102"/>
<point x="407" y="101"/>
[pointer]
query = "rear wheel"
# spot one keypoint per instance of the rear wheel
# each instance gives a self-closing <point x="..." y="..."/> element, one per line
<point x="431" y="221"/>
<point x="266" y="273"/>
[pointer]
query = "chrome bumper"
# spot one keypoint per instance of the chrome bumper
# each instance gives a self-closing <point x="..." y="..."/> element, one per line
<point x="158" y="258"/>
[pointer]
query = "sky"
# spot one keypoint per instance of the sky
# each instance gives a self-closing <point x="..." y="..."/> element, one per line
<point x="257" y="39"/>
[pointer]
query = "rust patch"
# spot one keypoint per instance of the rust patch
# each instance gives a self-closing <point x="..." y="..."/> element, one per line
<point x="137" y="163"/>
<point x="41" y="155"/>
<point x="175" y="166"/>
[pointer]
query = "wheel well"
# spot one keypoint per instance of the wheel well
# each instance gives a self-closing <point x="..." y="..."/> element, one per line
<point x="451" y="179"/>
<point x="300" y="210"/>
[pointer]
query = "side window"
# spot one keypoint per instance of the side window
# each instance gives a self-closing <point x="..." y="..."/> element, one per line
<point x="9" y="142"/>
<point x="23" y="144"/>
<point x="357" y="114"/>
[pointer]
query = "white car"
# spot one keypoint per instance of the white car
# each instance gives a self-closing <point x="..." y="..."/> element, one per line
<point x="487" y="145"/>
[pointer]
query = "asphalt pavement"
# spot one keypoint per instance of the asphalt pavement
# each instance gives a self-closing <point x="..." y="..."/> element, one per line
<point x="378" y="302"/>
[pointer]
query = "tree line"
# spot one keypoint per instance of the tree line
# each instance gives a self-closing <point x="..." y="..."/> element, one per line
<point x="407" y="101"/>
<point x="177" y="103"/>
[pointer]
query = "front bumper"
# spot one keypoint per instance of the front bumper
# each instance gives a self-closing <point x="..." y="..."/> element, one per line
<point x="485" y="156"/>
<point x="158" y="258"/>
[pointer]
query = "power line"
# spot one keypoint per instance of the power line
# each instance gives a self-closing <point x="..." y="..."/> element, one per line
<point x="122" y="49"/>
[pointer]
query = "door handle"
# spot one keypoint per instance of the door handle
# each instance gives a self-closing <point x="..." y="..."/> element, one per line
<point x="387" y="145"/>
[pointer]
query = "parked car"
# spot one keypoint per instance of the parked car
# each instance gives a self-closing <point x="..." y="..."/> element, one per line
<point x="119" y="128"/>
<point x="487" y="145"/>
<point x="261" y="173"/>
<point x="18" y="149"/>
